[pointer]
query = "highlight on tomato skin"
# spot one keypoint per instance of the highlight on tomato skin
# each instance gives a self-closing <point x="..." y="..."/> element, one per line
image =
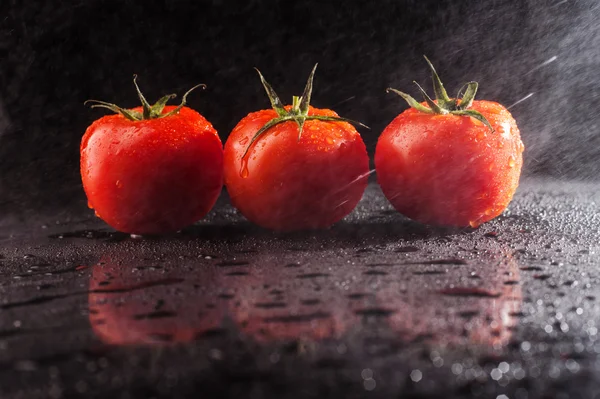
<point x="151" y="169"/>
<point x="449" y="162"/>
<point x="295" y="167"/>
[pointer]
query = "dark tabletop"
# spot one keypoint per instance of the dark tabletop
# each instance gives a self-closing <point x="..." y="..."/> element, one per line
<point x="377" y="306"/>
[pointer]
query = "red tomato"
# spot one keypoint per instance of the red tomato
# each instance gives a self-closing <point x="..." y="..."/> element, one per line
<point x="284" y="178"/>
<point x="153" y="175"/>
<point x="448" y="163"/>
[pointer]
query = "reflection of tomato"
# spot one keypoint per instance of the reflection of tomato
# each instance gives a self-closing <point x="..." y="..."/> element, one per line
<point x="270" y="302"/>
<point x="128" y="309"/>
<point x="151" y="170"/>
<point x="459" y="165"/>
<point x="308" y="170"/>
<point x="463" y="311"/>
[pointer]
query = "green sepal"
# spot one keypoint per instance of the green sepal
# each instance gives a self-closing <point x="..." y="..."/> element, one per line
<point x="411" y="101"/>
<point x="127" y="113"/>
<point x="300" y="122"/>
<point x="305" y="99"/>
<point x="273" y="97"/>
<point x="158" y="106"/>
<point x="147" y="109"/>
<point x="335" y="119"/>
<point x="434" y="107"/>
<point x="469" y="96"/>
<point x="183" y="101"/>
<point x="262" y="130"/>
<point x="476" y="115"/>
<point x="440" y="92"/>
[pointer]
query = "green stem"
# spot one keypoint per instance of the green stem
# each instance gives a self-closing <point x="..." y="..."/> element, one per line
<point x="148" y="111"/>
<point x="295" y="103"/>
<point x="298" y="113"/>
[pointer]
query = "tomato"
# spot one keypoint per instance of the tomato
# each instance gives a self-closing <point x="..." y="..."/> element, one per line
<point x="295" y="167"/>
<point x="151" y="170"/>
<point x="451" y="163"/>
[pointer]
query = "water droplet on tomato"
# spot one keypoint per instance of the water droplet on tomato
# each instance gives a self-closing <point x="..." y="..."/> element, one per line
<point x="243" y="141"/>
<point x="119" y="184"/>
<point x="511" y="162"/>
<point x="90" y="205"/>
<point x="329" y="140"/>
<point x="97" y="214"/>
<point x="244" y="169"/>
<point x="474" y="223"/>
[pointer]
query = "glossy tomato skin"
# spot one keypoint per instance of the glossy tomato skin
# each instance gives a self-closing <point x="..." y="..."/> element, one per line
<point x="152" y="176"/>
<point x="290" y="184"/>
<point x="450" y="170"/>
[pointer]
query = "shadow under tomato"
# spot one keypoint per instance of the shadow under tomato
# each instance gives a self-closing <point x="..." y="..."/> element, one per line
<point x="341" y="235"/>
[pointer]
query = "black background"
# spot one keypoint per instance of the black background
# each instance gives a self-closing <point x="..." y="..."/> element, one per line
<point x="55" y="55"/>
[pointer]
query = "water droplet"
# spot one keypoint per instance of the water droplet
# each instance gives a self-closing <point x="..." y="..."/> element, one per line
<point x="119" y="184"/>
<point x="416" y="375"/>
<point x="243" y="141"/>
<point x="474" y="223"/>
<point x="496" y="374"/>
<point x="329" y="140"/>
<point x="511" y="162"/>
<point x="369" y="384"/>
<point x="244" y="169"/>
<point x="366" y="374"/>
<point x="89" y="204"/>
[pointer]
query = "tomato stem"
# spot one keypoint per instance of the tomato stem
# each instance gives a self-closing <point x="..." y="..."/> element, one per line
<point x="148" y="111"/>
<point x="443" y="104"/>
<point x="298" y="112"/>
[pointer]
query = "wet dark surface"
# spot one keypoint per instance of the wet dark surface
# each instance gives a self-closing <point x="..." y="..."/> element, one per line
<point x="377" y="306"/>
